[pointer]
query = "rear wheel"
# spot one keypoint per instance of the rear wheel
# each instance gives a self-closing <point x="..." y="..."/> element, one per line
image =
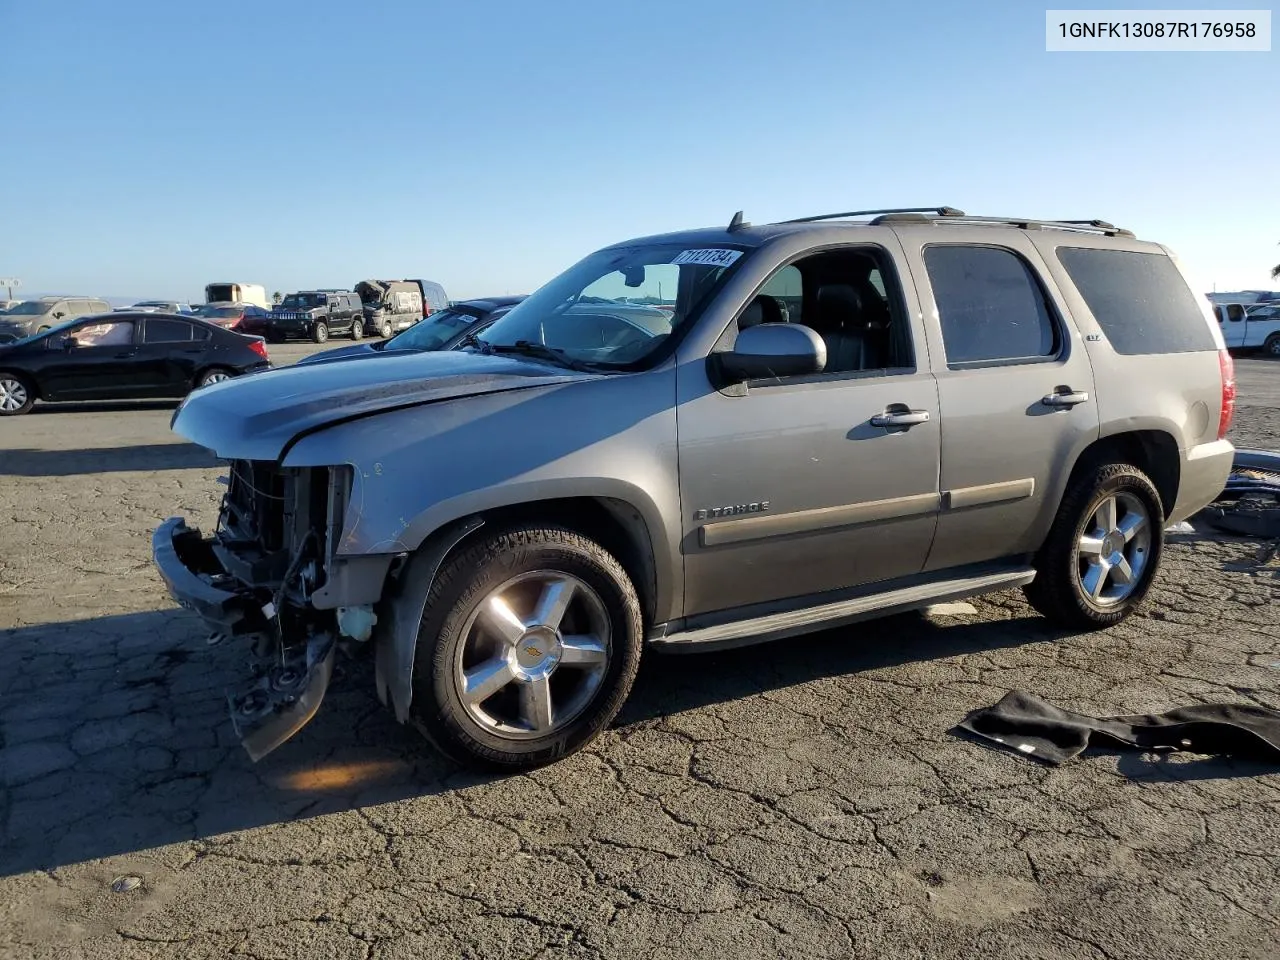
<point x="357" y="328"/>
<point x="16" y="395"/>
<point x="216" y="375"/>
<point x="1272" y="346"/>
<point x="44" y="329"/>
<point x="320" y="332"/>
<point x="527" y="650"/>
<point x="1103" y="551"/>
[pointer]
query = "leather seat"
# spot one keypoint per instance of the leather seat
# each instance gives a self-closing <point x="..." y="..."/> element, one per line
<point x="843" y="326"/>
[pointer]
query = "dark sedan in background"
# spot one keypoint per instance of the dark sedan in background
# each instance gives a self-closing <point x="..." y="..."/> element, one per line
<point x="443" y="330"/>
<point x="242" y="317"/>
<point x="123" y="356"/>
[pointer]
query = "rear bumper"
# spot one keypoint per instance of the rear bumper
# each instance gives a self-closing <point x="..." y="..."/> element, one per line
<point x="1204" y="474"/>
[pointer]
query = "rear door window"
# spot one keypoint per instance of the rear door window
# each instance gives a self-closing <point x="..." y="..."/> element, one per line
<point x="991" y="305"/>
<point x="166" y="331"/>
<point x="1140" y="300"/>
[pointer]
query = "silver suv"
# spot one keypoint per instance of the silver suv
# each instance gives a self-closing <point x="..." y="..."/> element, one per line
<point x="35" y="316"/>
<point x="701" y="439"/>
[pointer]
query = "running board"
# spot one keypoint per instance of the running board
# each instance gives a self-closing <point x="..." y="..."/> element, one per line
<point x="791" y="623"/>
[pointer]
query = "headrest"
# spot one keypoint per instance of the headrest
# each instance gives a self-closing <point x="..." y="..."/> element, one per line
<point x="763" y="309"/>
<point x="839" y="298"/>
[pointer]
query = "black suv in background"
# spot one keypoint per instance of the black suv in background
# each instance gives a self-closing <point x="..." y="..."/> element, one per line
<point x="317" y="314"/>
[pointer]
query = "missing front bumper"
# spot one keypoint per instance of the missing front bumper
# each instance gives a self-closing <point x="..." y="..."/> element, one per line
<point x="288" y="689"/>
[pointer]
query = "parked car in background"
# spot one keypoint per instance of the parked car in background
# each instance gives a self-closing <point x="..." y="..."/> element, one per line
<point x="317" y="315"/>
<point x="254" y="293"/>
<point x="443" y="330"/>
<point x="1255" y="327"/>
<point x="158" y="306"/>
<point x="433" y="296"/>
<point x="123" y="356"/>
<point x="242" y="317"/>
<point x="390" y="305"/>
<point x="35" y="316"/>
<point x="1246" y="297"/>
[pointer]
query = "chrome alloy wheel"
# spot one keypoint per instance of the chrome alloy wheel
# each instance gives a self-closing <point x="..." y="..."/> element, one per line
<point x="13" y="395"/>
<point x="534" y="653"/>
<point x="216" y="377"/>
<point x="1114" y="549"/>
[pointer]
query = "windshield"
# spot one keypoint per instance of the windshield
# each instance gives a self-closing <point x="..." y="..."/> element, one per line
<point x="618" y="306"/>
<point x="301" y="301"/>
<point x="434" y="331"/>
<point x="32" y="308"/>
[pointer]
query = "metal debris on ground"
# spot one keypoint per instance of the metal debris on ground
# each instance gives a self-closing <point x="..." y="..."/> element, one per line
<point x="1249" y="505"/>
<point x="125" y="884"/>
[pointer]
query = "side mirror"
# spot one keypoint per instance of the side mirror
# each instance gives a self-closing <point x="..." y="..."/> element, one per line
<point x="773" y="350"/>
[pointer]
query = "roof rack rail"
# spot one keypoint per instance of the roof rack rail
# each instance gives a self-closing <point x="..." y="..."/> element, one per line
<point x="936" y="211"/>
<point x="1024" y="223"/>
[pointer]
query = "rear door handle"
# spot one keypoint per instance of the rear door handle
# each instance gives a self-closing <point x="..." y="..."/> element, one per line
<point x="900" y="418"/>
<point x="1067" y="398"/>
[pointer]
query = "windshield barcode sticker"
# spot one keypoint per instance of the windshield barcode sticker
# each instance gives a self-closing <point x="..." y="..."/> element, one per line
<point x="710" y="258"/>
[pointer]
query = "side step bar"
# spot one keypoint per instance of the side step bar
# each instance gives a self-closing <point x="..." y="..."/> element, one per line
<point x="791" y="623"/>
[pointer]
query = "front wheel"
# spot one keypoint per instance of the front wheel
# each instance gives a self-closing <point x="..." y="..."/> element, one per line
<point x="529" y="646"/>
<point x="16" y="397"/>
<point x="1272" y="346"/>
<point x="1104" y="548"/>
<point x="357" y="329"/>
<point x="320" y="332"/>
<point x="384" y="331"/>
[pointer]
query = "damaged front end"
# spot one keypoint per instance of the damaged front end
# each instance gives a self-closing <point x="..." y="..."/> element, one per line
<point x="270" y="575"/>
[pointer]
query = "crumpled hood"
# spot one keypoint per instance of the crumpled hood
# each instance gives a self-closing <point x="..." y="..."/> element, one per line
<point x="255" y="417"/>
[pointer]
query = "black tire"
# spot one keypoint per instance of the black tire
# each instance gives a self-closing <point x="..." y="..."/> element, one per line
<point x="214" y="375"/>
<point x="1057" y="591"/>
<point x="320" y="331"/>
<point x="274" y="337"/>
<point x="467" y="579"/>
<point x="357" y="329"/>
<point x="15" y="386"/>
<point x="1272" y="345"/>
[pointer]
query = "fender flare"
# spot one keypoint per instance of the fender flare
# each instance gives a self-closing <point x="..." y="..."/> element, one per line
<point x="394" y="647"/>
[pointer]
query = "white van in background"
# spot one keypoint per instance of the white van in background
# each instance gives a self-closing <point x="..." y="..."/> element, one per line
<point x="254" y="293"/>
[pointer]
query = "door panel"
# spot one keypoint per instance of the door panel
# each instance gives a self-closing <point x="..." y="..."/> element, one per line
<point x="790" y="490"/>
<point x="1013" y="427"/>
<point x="97" y="370"/>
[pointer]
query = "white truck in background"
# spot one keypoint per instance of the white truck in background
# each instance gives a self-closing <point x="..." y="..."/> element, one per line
<point x="254" y="293"/>
<point x="1248" y="326"/>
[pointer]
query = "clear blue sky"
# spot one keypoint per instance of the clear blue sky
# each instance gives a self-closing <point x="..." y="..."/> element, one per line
<point x="152" y="147"/>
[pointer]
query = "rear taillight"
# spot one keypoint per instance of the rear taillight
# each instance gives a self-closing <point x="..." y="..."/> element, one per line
<point x="1228" y="369"/>
<point x="260" y="348"/>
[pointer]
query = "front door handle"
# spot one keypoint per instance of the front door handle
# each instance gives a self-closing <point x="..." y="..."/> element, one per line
<point x="900" y="417"/>
<point x="1066" y="398"/>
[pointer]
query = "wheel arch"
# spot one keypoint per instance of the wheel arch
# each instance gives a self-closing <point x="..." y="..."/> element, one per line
<point x="33" y="384"/>
<point x="1153" y="451"/>
<point x="615" y="523"/>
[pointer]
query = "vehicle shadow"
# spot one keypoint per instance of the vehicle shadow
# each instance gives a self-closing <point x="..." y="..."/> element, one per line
<point x="104" y="406"/>
<point x="114" y="735"/>
<point x="26" y="462"/>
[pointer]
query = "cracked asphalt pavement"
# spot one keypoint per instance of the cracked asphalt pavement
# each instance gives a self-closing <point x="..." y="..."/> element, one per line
<point x="801" y="799"/>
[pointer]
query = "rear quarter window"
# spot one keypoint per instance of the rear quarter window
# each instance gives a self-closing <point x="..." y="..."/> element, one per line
<point x="1140" y="300"/>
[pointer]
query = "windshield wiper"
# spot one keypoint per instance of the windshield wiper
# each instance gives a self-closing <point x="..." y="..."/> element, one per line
<point x="541" y="351"/>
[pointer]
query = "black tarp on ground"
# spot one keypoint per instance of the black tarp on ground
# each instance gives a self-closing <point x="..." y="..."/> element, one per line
<point x="1025" y="724"/>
